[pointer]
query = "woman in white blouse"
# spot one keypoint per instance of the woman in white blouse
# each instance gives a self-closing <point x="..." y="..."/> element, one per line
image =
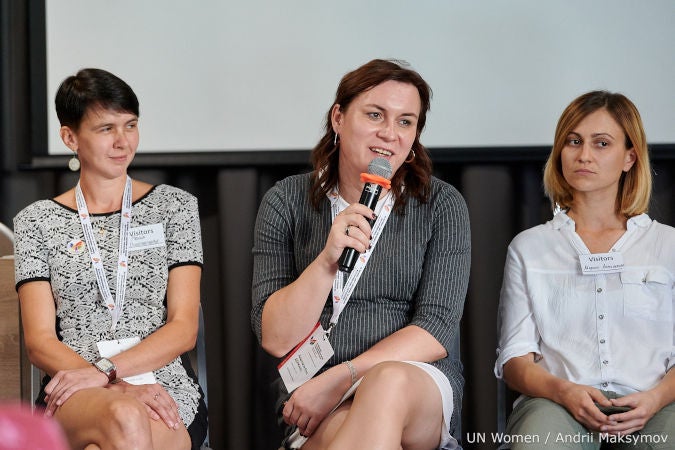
<point x="586" y="308"/>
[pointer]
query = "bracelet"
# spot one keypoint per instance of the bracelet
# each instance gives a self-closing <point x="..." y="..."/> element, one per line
<point x="352" y="370"/>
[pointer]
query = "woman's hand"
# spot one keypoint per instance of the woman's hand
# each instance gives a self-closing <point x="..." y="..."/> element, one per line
<point x="67" y="382"/>
<point x="581" y="401"/>
<point x="350" y="229"/>
<point x="643" y="407"/>
<point x="158" y="403"/>
<point x="313" y="401"/>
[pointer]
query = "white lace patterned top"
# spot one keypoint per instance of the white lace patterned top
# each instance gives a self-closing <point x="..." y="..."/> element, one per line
<point x="49" y="246"/>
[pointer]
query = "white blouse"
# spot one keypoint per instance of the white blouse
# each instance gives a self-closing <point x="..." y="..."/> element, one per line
<point x="612" y="331"/>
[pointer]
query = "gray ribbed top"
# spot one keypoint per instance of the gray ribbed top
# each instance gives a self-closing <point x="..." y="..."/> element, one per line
<point x="417" y="275"/>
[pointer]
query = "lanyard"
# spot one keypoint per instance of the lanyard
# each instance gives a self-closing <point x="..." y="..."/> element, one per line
<point x="115" y="305"/>
<point x="341" y="291"/>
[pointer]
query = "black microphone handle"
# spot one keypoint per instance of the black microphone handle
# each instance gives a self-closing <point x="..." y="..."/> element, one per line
<point x="369" y="197"/>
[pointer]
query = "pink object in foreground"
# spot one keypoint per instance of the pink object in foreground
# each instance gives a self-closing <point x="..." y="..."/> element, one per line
<point x="21" y="429"/>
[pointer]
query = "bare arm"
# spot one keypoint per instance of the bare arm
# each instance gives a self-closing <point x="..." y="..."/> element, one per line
<point x="71" y="373"/>
<point x="38" y="318"/>
<point x="664" y="392"/>
<point x="410" y="343"/>
<point x="317" y="397"/>
<point x="525" y="376"/>
<point x="291" y="312"/>
<point x="643" y="406"/>
<point x="177" y="335"/>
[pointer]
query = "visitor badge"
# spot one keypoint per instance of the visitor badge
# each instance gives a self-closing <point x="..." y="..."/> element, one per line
<point x="597" y="263"/>
<point x="305" y="360"/>
<point x="108" y="349"/>
<point x="146" y="236"/>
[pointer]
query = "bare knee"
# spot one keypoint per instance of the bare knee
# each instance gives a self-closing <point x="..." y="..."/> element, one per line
<point x="398" y="388"/>
<point x="389" y="375"/>
<point x="386" y="386"/>
<point x="127" y="425"/>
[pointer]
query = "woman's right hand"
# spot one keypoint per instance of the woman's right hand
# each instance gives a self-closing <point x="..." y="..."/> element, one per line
<point x="580" y="401"/>
<point x="67" y="382"/>
<point x="158" y="403"/>
<point x="313" y="401"/>
<point x="522" y="374"/>
<point x="352" y="218"/>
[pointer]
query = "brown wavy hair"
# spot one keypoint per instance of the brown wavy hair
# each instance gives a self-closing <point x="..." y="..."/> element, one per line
<point x="635" y="186"/>
<point x="415" y="175"/>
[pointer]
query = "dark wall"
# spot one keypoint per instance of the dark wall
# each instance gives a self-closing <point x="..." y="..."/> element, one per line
<point x="502" y="187"/>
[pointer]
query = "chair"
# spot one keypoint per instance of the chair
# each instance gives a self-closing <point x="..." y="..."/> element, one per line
<point x="35" y="381"/>
<point x="6" y="240"/>
<point x="457" y="351"/>
<point x="505" y="399"/>
<point x="501" y="412"/>
<point x="200" y="348"/>
<point x="11" y="355"/>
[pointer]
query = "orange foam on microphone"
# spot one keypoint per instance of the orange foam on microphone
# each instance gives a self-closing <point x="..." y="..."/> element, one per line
<point x="370" y="178"/>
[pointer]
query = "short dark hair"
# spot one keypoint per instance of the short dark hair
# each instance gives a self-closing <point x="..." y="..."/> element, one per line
<point x="91" y="88"/>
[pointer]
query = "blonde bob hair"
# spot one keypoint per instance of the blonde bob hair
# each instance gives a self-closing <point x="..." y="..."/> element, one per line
<point x="635" y="186"/>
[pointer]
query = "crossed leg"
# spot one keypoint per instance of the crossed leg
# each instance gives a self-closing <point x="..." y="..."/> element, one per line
<point x="100" y="418"/>
<point x="397" y="406"/>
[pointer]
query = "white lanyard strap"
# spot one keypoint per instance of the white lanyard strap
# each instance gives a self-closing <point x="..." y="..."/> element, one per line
<point x="341" y="291"/>
<point x="116" y="305"/>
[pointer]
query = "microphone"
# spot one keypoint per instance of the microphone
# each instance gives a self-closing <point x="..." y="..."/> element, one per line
<point x="379" y="172"/>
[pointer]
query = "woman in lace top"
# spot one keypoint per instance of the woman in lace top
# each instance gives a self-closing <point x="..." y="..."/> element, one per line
<point x="108" y="277"/>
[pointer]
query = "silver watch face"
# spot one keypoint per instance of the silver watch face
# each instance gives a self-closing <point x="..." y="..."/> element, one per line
<point x="104" y="365"/>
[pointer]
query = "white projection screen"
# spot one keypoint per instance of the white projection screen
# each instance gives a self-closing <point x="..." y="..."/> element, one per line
<point x="260" y="75"/>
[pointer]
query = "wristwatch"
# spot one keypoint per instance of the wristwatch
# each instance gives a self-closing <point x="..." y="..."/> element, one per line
<point x="108" y="368"/>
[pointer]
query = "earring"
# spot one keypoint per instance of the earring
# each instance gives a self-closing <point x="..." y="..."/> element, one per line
<point x="74" y="163"/>
<point x="410" y="158"/>
<point x="335" y="140"/>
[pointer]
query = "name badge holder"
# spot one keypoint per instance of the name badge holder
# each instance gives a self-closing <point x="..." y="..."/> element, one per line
<point x="600" y="263"/>
<point x="108" y="349"/>
<point x="146" y="237"/>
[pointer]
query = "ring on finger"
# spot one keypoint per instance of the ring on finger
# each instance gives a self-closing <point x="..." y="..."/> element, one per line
<point x="156" y="396"/>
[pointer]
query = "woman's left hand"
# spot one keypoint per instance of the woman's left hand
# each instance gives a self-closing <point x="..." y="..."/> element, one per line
<point x="158" y="403"/>
<point x="643" y="407"/>
<point x="313" y="401"/>
<point x="67" y="382"/>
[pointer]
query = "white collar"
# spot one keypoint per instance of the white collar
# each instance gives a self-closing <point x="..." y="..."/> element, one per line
<point x="562" y="220"/>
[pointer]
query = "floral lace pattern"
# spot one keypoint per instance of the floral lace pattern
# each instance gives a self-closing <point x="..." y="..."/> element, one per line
<point x="49" y="245"/>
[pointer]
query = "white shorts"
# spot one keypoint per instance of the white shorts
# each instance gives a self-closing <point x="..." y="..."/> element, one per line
<point x="448" y="442"/>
